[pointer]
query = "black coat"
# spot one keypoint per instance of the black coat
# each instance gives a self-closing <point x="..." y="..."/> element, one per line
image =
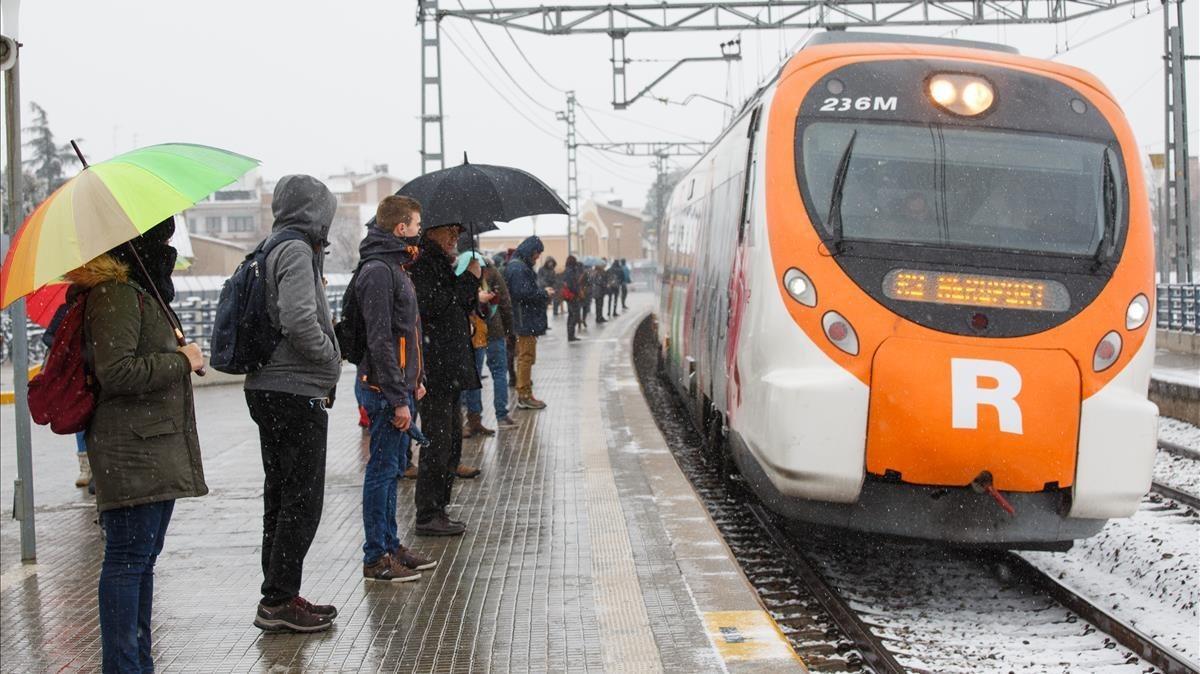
<point x="445" y="300"/>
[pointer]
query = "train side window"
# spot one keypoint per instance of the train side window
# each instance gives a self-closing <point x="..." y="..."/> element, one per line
<point x="748" y="185"/>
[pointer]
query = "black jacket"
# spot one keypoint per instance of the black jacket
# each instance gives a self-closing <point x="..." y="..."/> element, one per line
<point x="388" y="303"/>
<point x="445" y="301"/>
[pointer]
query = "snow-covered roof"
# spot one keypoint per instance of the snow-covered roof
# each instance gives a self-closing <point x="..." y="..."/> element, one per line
<point x="547" y="225"/>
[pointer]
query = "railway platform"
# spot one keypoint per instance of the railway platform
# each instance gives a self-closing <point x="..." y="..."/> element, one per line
<point x="587" y="550"/>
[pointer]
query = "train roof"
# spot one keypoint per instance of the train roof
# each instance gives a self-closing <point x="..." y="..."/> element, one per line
<point x="845" y="37"/>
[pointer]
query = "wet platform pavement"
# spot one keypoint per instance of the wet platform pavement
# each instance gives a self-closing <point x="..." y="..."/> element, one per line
<point x="586" y="550"/>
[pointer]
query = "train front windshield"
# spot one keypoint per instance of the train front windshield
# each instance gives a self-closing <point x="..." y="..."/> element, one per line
<point x="957" y="187"/>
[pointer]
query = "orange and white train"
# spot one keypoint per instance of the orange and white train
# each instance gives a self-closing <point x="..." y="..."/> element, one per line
<point x="909" y="290"/>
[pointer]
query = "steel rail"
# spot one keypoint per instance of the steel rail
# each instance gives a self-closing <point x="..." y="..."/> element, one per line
<point x="1159" y="655"/>
<point x="875" y="654"/>
<point x="1176" y="495"/>
<point x="1190" y="500"/>
<point x="1179" y="450"/>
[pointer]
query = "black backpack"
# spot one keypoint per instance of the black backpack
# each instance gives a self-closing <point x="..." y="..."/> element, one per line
<point x="351" y="331"/>
<point x="243" y="338"/>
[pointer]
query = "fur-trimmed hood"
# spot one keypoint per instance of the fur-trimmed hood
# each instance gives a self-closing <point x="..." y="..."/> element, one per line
<point x="100" y="270"/>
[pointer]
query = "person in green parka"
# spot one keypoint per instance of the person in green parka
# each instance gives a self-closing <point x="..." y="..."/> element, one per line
<point x="141" y="442"/>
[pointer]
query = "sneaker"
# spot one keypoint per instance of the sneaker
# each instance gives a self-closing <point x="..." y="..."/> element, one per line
<point x="440" y="526"/>
<point x="327" y="610"/>
<point x="506" y="422"/>
<point x="290" y="617"/>
<point x="410" y="473"/>
<point x="466" y="472"/>
<point x="530" y="403"/>
<point x="412" y="560"/>
<point x="387" y="570"/>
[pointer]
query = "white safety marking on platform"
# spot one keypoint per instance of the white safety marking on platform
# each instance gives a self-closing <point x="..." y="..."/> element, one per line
<point x="17" y="575"/>
<point x="625" y="634"/>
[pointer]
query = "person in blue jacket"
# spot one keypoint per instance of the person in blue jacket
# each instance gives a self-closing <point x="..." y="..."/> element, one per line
<point x="529" y="302"/>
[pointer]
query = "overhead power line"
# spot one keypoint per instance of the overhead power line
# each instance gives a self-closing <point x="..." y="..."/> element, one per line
<point x="488" y="81"/>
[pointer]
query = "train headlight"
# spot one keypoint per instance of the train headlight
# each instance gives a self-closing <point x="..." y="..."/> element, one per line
<point x="840" y="332"/>
<point x="943" y="91"/>
<point x="1107" y="352"/>
<point x="800" y="287"/>
<point x="1137" y="313"/>
<point x="965" y="95"/>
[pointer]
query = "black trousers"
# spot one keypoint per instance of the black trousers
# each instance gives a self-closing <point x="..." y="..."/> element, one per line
<point x="624" y="294"/>
<point x="292" y="430"/>
<point x="441" y="422"/>
<point x="612" y="302"/>
<point x="600" y="305"/>
<point x="573" y="311"/>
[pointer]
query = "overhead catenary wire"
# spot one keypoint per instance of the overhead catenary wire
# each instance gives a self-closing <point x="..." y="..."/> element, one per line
<point x="579" y="103"/>
<point x="493" y="87"/>
<point x="1104" y="32"/>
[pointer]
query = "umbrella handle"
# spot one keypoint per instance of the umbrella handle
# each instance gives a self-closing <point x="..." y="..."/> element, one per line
<point x="182" y="341"/>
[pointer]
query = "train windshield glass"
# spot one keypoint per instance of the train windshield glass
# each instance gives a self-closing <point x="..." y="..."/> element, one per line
<point x="959" y="187"/>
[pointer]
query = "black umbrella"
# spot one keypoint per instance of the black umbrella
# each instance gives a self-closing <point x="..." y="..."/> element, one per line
<point x="476" y="195"/>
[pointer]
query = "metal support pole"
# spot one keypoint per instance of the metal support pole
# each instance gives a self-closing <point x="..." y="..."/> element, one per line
<point x="618" y="67"/>
<point x="433" y="157"/>
<point x="1176" y="187"/>
<point x="572" y="175"/>
<point x="23" y="487"/>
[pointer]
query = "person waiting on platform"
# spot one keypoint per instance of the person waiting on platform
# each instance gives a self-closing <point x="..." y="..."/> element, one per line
<point x="445" y="301"/>
<point x="548" y="277"/>
<point x="389" y="381"/>
<point x="142" y="440"/>
<point x="493" y="324"/>
<point x="529" y="315"/>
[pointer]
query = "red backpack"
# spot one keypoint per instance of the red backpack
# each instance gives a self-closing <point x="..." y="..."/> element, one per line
<point x="63" y="394"/>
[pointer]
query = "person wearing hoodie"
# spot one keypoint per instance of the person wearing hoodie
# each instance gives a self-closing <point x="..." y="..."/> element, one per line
<point x="288" y="398"/>
<point x="141" y="440"/>
<point x="548" y="277"/>
<point x="389" y="380"/>
<point x="445" y="300"/>
<point x="529" y="315"/>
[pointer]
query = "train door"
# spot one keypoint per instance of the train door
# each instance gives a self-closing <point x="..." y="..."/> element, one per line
<point x="725" y="397"/>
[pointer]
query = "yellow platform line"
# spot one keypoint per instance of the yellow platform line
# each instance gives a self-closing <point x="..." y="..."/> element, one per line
<point x="748" y="636"/>
<point x="10" y="397"/>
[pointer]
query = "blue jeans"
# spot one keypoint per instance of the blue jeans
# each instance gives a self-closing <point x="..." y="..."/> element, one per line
<point x="389" y="449"/>
<point x="497" y="363"/>
<point x="81" y="443"/>
<point x="133" y="539"/>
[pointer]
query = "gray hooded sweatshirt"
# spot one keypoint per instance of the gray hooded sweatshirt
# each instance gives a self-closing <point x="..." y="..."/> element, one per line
<point x="307" y="361"/>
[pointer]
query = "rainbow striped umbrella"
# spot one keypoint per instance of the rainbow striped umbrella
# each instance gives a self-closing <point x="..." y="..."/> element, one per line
<point x="108" y="204"/>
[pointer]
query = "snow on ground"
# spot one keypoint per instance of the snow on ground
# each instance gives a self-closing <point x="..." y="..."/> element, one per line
<point x="1144" y="570"/>
<point x="1178" y="472"/>
<point x="1179" y="432"/>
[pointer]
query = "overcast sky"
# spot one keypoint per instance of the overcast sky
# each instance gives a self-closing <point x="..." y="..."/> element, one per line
<point x="320" y="87"/>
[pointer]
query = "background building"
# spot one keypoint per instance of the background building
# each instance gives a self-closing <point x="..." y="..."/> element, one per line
<point x="240" y="215"/>
<point x="609" y="230"/>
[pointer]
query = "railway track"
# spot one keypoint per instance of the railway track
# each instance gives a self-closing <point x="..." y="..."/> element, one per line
<point x="1174" y="493"/>
<point x="837" y="603"/>
<point x="1127" y="635"/>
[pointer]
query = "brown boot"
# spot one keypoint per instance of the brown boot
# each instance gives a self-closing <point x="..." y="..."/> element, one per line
<point x="410" y="473"/>
<point x="474" y="426"/>
<point x="466" y="472"/>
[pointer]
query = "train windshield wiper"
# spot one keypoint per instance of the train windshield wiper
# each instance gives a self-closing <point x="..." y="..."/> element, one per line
<point x="839" y="188"/>
<point x="1107" y="244"/>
